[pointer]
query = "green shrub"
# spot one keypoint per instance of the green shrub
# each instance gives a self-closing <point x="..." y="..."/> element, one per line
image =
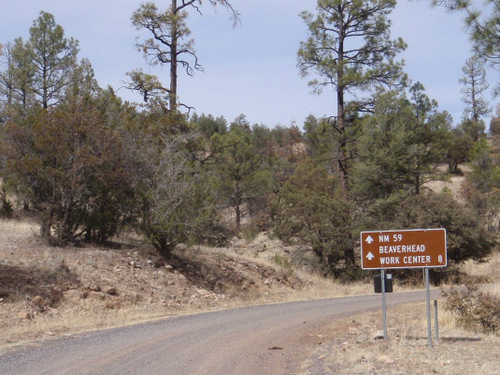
<point x="310" y="210"/>
<point x="285" y="265"/>
<point x="6" y="210"/>
<point x="220" y="258"/>
<point x="475" y="310"/>
<point x="250" y="231"/>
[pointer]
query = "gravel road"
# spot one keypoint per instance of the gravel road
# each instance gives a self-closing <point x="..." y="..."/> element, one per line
<point x="262" y="340"/>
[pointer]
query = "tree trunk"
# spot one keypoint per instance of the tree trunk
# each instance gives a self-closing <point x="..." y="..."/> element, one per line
<point x="341" y="120"/>
<point x="237" y="209"/>
<point x="172" y="98"/>
<point x="46" y="225"/>
<point x="64" y="230"/>
<point x="164" y="247"/>
<point x="342" y="145"/>
<point x="350" y="258"/>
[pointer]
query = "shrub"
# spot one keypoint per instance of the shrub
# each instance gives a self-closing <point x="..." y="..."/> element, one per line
<point x="466" y="235"/>
<point x="285" y="265"/>
<point x="6" y="210"/>
<point x="250" y="231"/>
<point x="72" y="168"/>
<point x="309" y="210"/>
<point x="476" y="310"/>
<point x="177" y="206"/>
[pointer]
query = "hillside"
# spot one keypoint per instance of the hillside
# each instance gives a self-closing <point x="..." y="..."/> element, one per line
<point x="46" y="292"/>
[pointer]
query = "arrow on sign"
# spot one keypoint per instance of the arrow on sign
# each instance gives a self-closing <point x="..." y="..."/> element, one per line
<point x="369" y="239"/>
<point x="370" y="256"/>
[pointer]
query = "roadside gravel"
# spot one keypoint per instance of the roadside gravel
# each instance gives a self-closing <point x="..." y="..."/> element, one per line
<point x="270" y="339"/>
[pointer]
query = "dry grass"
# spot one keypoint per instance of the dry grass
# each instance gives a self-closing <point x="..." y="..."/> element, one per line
<point x="350" y="347"/>
<point x="73" y="319"/>
<point x="485" y="270"/>
<point x="315" y="286"/>
<point x="451" y="183"/>
<point x="13" y="232"/>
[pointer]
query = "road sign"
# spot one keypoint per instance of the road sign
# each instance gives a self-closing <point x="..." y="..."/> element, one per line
<point x="415" y="248"/>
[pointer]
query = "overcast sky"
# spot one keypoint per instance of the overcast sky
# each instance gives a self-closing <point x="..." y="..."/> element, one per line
<point x="250" y="69"/>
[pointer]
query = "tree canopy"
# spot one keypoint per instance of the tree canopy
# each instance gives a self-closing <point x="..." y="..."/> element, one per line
<point x="482" y="25"/>
<point x="169" y="44"/>
<point x="349" y="49"/>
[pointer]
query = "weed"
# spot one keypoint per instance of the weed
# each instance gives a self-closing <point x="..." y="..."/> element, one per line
<point x="285" y="265"/>
<point x="220" y="258"/>
<point x="446" y="190"/>
<point x="475" y="310"/>
<point x="250" y="231"/>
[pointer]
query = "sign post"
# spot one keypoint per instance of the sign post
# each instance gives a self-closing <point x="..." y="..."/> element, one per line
<point x="436" y="321"/>
<point x="415" y="248"/>
<point x="384" y="309"/>
<point x="428" y="298"/>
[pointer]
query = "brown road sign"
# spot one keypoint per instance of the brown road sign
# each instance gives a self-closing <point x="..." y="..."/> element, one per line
<point x="416" y="248"/>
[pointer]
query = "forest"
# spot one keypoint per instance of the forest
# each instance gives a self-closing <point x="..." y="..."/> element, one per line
<point x="87" y="165"/>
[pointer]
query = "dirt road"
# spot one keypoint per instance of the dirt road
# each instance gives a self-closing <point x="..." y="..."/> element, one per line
<point x="260" y="340"/>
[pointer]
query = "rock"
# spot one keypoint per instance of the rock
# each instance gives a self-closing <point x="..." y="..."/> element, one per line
<point x="204" y="294"/>
<point x="108" y="289"/>
<point x="385" y="359"/>
<point x="96" y="296"/>
<point x="168" y="267"/>
<point x="238" y="243"/>
<point x="52" y="311"/>
<point x="135" y="264"/>
<point x="95" y="288"/>
<point x="38" y="302"/>
<point x="220" y="286"/>
<point x="23" y="315"/>
<point x="72" y="295"/>
<point x="361" y="339"/>
<point x="353" y="331"/>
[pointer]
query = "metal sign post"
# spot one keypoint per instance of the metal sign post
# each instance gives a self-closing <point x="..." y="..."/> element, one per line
<point x="436" y="320"/>
<point x="384" y="306"/>
<point x="428" y="297"/>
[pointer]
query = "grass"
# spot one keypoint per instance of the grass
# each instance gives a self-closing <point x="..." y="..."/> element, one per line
<point x="485" y="270"/>
<point x="14" y="229"/>
<point x="75" y="319"/>
<point x="349" y="347"/>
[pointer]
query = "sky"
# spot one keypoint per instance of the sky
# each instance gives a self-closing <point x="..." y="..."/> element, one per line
<point x="250" y="69"/>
